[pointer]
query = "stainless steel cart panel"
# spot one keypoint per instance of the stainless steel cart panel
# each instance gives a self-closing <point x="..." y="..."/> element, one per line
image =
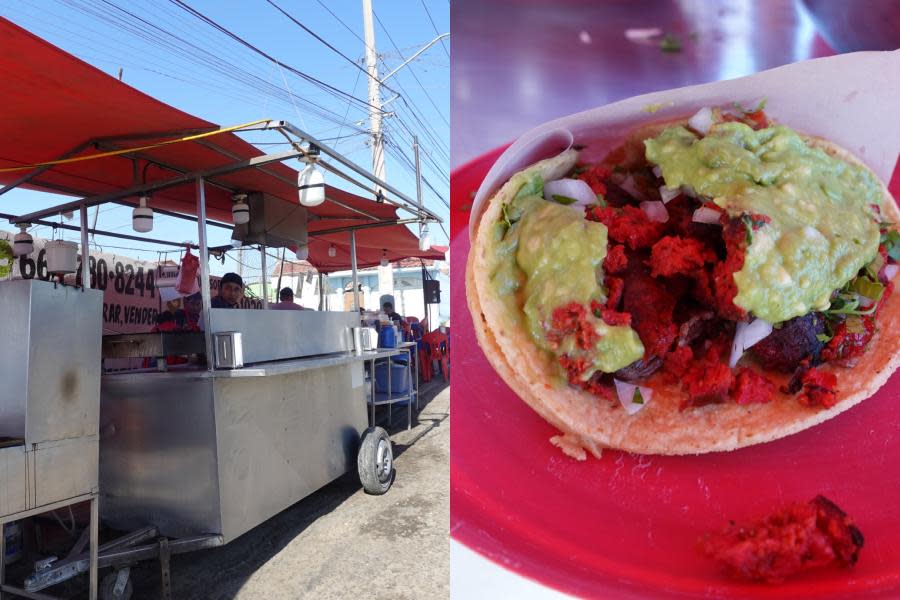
<point x="158" y="454"/>
<point x="282" y="334"/>
<point x="198" y="452"/>
<point x="50" y="370"/>
<point x="12" y="480"/>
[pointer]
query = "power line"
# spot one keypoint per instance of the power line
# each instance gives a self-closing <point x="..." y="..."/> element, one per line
<point x="324" y="41"/>
<point x="433" y="26"/>
<point x="427" y="95"/>
<point x="193" y="52"/>
<point x="347" y="27"/>
<point x="298" y="72"/>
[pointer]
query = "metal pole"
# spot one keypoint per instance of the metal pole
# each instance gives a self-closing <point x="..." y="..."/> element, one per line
<point x="95" y="537"/>
<point x="355" y="273"/>
<point x="280" y="273"/>
<point x="418" y="171"/>
<point x="321" y="291"/>
<point x="414" y="56"/>
<point x="264" y="276"/>
<point x="85" y="250"/>
<point x="374" y="93"/>
<point x="204" y="272"/>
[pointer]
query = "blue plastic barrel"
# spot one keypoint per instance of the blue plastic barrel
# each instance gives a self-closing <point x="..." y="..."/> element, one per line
<point x="399" y="378"/>
<point x="387" y="337"/>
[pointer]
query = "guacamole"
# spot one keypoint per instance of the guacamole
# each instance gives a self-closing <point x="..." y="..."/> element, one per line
<point x="823" y="228"/>
<point x="550" y="257"/>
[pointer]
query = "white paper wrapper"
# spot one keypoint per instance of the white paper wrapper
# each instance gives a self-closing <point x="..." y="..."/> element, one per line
<point x="850" y="99"/>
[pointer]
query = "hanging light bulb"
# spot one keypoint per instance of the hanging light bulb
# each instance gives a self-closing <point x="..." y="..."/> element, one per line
<point x="311" y="185"/>
<point x="424" y="238"/>
<point x="384" y="258"/>
<point x="332" y="251"/>
<point x="240" y="211"/>
<point x="142" y="216"/>
<point x="303" y="252"/>
<point x="23" y="243"/>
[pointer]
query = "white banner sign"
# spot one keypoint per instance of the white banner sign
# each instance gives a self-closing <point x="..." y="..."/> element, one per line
<point x="131" y="298"/>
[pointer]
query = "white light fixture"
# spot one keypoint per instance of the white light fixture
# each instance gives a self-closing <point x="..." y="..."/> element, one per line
<point x="302" y="252"/>
<point x="142" y="216"/>
<point x="424" y="238"/>
<point x="61" y="256"/>
<point x="311" y="185"/>
<point x="384" y="258"/>
<point x="332" y="251"/>
<point x="240" y="210"/>
<point x="23" y="243"/>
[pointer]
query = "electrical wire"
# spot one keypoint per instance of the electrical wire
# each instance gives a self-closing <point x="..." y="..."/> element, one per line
<point x="433" y="26"/>
<point x="327" y="44"/>
<point x="427" y="95"/>
<point x="298" y="72"/>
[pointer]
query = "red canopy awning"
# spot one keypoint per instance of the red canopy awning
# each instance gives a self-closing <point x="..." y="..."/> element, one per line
<point x="55" y="103"/>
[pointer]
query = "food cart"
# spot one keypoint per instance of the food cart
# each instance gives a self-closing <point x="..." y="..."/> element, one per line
<point x="274" y="404"/>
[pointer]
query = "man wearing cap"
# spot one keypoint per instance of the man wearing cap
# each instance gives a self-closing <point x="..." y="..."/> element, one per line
<point x="231" y="291"/>
<point x="286" y="297"/>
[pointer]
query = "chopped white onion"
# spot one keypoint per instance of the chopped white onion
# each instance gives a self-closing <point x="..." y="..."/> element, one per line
<point x="657" y="170"/>
<point x="655" y="211"/>
<point x="576" y="189"/>
<point x="630" y="187"/>
<point x="705" y="214"/>
<point x="625" y="392"/>
<point x="746" y="336"/>
<point x="642" y="35"/>
<point x="668" y="194"/>
<point x="890" y="271"/>
<point x="702" y="120"/>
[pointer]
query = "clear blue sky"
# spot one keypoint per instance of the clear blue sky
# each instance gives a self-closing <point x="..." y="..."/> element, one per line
<point x="214" y="77"/>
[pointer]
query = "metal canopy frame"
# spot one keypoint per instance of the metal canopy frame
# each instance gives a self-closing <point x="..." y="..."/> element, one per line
<point x="200" y="178"/>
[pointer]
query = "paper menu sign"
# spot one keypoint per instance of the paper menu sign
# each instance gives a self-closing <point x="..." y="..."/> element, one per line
<point x="849" y="99"/>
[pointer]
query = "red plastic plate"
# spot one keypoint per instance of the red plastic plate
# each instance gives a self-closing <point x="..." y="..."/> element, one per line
<point x="627" y="526"/>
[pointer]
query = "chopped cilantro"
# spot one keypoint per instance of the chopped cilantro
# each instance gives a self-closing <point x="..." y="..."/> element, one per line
<point x="891" y="241"/>
<point x="823" y="337"/>
<point x="670" y="43"/>
<point x="748" y="225"/>
<point x="749" y="111"/>
<point x="637" y="398"/>
<point x="566" y="200"/>
<point x="601" y="200"/>
<point x="534" y="187"/>
<point x="864" y="286"/>
<point x="873" y="268"/>
<point x="506" y="220"/>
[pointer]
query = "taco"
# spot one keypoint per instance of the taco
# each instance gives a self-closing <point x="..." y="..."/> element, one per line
<point x="712" y="283"/>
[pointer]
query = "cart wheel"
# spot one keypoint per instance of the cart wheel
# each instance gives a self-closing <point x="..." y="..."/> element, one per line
<point x="108" y="586"/>
<point x="375" y="461"/>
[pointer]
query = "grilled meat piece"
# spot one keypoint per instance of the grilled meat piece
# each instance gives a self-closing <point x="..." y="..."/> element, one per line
<point x="639" y="369"/>
<point x="795" y="340"/>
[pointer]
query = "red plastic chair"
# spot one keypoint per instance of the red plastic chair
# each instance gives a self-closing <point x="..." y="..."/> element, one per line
<point x="438" y="349"/>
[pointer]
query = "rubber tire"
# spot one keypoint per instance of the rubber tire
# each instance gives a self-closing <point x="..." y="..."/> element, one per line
<point x="376" y="475"/>
<point x="108" y="583"/>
